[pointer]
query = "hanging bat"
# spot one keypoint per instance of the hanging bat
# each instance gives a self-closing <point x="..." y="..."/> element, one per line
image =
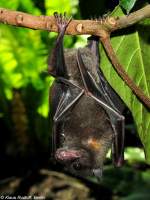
<point x="86" y="112"/>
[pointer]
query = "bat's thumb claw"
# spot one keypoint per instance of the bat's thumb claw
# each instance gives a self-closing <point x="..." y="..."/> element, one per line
<point x="98" y="173"/>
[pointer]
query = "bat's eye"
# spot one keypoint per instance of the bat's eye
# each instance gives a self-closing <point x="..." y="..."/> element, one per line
<point x="77" y="166"/>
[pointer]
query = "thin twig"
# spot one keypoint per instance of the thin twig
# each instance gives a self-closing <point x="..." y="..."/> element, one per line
<point x="133" y="18"/>
<point x="120" y="70"/>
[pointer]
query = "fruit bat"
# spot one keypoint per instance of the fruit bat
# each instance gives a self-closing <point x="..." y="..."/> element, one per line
<point x="86" y="111"/>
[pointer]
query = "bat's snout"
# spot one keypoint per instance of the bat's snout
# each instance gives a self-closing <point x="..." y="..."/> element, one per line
<point x="74" y="159"/>
<point x="63" y="155"/>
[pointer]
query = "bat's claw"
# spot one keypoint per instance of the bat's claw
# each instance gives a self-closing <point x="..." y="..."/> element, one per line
<point x="98" y="174"/>
<point x="62" y="21"/>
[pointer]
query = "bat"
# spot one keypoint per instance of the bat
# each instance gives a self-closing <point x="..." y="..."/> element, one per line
<point x="86" y="111"/>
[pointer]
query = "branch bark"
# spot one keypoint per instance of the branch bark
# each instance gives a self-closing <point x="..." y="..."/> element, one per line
<point x="76" y="27"/>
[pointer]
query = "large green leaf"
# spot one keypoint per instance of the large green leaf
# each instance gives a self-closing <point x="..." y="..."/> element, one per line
<point x="129" y="48"/>
<point x="127" y="4"/>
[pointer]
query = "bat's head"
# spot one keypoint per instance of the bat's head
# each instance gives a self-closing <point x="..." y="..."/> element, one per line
<point x="82" y="149"/>
<point x="79" y="161"/>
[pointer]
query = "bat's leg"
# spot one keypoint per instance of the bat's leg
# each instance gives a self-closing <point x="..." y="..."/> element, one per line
<point x="56" y="62"/>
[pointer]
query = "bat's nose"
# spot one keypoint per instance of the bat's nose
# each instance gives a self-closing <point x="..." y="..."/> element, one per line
<point x="62" y="155"/>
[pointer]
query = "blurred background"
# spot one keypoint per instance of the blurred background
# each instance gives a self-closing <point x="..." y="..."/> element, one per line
<point x="25" y="126"/>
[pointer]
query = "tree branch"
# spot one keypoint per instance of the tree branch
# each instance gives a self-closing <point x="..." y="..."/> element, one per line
<point x="20" y="19"/>
<point x="76" y="27"/>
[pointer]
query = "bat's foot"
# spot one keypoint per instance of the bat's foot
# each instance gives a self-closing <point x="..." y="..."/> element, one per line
<point x="62" y="21"/>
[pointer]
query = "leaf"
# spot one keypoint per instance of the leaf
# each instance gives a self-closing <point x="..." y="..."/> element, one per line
<point x="127" y="4"/>
<point x="129" y="49"/>
<point x="134" y="154"/>
<point x="13" y="4"/>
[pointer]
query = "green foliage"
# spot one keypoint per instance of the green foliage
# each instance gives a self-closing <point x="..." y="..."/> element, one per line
<point x="65" y="6"/>
<point x="10" y="4"/>
<point x="127" y="4"/>
<point x="134" y="155"/>
<point x="127" y="183"/>
<point x="22" y="59"/>
<point x="23" y="65"/>
<point x="23" y="55"/>
<point x="129" y="49"/>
